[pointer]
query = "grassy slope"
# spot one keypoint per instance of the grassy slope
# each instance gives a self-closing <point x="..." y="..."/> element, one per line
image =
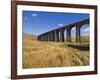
<point x="29" y="36"/>
<point x="51" y="54"/>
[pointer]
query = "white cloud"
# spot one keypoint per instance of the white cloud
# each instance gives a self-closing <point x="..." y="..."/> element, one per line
<point x="74" y="28"/>
<point x="86" y="29"/>
<point x="85" y="34"/>
<point x="34" y="14"/>
<point x="60" y="24"/>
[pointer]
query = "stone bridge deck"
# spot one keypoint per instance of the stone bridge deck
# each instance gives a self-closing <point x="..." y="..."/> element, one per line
<point x="57" y="35"/>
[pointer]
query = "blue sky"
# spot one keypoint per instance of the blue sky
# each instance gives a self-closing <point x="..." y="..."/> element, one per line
<point x="36" y="22"/>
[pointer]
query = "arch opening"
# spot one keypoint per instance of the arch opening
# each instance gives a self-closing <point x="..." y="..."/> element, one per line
<point x="73" y="34"/>
<point x="85" y="33"/>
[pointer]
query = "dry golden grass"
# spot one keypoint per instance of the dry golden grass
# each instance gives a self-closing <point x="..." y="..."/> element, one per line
<point x="37" y="54"/>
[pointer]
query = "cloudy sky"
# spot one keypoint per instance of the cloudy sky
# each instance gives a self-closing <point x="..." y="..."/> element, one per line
<point x="35" y="22"/>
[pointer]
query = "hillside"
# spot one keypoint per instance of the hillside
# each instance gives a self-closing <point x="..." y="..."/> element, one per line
<point x="29" y="36"/>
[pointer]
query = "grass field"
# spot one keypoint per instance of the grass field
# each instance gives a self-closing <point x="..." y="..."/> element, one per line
<point x="39" y="54"/>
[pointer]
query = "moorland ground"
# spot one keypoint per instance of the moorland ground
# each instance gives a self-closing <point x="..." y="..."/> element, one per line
<point x="42" y="54"/>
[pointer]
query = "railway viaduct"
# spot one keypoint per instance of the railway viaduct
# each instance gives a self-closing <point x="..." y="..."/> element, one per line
<point x="57" y="35"/>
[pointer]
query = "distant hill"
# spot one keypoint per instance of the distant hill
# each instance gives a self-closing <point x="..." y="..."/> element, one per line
<point x="29" y="36"/>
